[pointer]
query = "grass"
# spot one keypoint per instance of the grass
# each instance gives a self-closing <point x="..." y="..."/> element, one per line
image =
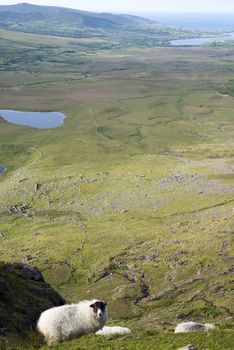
<point x="215" y="340"/>
<point x="132" y="197"/>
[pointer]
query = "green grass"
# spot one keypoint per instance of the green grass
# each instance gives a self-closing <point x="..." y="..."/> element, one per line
<point x="135" y="194"/>
<point x="149" y="339"/>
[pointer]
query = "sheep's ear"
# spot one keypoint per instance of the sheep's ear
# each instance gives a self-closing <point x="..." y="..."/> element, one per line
<point x="92" y="306"/>
<point x="105" y="303"/>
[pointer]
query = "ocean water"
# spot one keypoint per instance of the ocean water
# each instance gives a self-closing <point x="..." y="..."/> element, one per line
<point x="205" y="21"/>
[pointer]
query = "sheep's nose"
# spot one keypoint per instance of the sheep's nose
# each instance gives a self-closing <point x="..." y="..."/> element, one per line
<point x="99" y="313"/>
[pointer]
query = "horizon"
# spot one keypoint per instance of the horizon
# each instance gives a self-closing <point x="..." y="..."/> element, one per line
<point x="163" y="7"/>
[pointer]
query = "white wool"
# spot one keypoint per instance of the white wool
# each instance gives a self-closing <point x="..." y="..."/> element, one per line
<point x="187" y="327"/>
<point x="106" y="330"/>
<point x="69" y="321"/>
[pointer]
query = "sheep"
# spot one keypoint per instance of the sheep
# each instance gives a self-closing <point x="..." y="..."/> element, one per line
<point x="187" y="327"/>
<point x="188" y="347"/>
<point x="71" y="321"/>
<point x="113" y="330"/>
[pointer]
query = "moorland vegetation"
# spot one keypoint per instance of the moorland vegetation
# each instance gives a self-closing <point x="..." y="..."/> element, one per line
<point x="131" y="199"/>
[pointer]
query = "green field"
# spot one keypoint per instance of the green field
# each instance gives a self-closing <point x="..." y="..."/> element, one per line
<point x="131" y="200"/>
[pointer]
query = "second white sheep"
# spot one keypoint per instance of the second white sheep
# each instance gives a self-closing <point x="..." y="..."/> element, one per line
<point x="106" y="330"/>
<point x="186" y="327"/>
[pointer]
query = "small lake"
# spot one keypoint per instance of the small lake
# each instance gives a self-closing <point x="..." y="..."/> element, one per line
<point x="2" y="169"/>
<point x="40" y="120"/>
<point x="202" y="41"/>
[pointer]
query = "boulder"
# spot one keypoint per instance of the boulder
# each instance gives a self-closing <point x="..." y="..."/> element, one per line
<point x="24" y="295"/>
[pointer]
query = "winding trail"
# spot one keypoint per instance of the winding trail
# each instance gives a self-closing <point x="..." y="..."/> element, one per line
<point x="97" y="126"/>
<point x="83" y="242"/>
<point x="39" y="152"/>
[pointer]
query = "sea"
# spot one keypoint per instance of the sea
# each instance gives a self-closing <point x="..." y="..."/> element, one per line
<point x="202" y="21"/>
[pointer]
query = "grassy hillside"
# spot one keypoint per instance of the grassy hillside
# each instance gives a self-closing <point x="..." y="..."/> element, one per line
<point x="131" y="200"/>
<point x="115" y="30"/>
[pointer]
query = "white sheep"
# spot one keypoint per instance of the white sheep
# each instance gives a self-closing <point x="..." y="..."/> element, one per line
<point x="187" y="327"/>
<point x="106" y="330"/>
<point x="71" y="321"/>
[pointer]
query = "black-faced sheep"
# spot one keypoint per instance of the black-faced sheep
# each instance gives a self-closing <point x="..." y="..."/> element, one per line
<point x="71" y="321"/>
<point x="187" y="327"/>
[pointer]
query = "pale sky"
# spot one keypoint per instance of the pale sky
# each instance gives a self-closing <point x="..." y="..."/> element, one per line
<point x="210" y="6"/>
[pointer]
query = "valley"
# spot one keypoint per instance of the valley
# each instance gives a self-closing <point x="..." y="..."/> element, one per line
<point x="131" y="199"/>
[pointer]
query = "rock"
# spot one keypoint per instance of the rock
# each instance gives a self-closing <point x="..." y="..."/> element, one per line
<point x="27" y="259"/>
<point x="148" y="257"/>
<point x="38" y="186"/>
<point x="130" y="276"/>
<point x="23" y="180"/>
<point x="13" y="210"/>
<point x="31" y="273"/>
<point x="27" y="272"/>
<point x="188" y="347"/>
<point x="2" y="332"/>
<point x="19" y="208"/>
<point x="24" y="295"/>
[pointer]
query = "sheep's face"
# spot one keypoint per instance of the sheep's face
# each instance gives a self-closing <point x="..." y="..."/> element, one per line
<point x="99" y="309"/>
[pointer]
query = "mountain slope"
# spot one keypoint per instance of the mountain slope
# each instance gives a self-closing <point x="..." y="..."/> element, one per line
<point x="25" y="8"/>
<point x="59" y="20"/>
<point x="108" y="30"/>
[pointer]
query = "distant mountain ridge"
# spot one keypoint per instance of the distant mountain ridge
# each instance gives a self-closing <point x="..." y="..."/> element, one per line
<point x="106" y="30"/>
<point x="29" y="8"/>
<point x="22" y="17"/>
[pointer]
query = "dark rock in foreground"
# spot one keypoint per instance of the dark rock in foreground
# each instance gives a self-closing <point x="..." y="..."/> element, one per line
<point x="24" y="294"/>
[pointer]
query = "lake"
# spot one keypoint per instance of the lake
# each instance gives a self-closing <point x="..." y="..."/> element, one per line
<point x="202" y="41"/>
<point x="40" y="120"/>
<point x="2" y="169"/>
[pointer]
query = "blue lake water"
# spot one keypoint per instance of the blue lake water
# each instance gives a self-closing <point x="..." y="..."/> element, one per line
<point x="40" y="120"/>
<point x="202" y="41"/>
<point x="2" y="169"/>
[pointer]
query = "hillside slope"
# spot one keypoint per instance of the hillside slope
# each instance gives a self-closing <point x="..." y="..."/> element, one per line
<point x="131" y="199"/>
<point x="116" y="29"/>
<point x="35" y="18"/>
<point x="25" y="11"/>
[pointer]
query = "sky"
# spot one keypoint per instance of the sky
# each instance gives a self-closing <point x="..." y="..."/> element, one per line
<point x="128" y="6"/>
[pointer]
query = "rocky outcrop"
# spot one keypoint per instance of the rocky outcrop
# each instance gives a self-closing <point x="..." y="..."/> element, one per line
<point x="24" y="294"/>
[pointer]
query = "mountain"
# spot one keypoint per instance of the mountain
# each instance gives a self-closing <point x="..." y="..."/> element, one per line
<point x="114" y="30"/>
<point x="63" y="21"/>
